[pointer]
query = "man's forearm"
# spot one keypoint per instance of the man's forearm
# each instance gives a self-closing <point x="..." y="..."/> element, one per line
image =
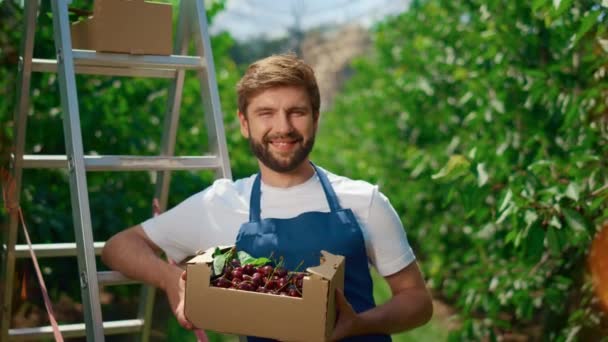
<point x="406" y="310"/>
<point x="130" y="254"/>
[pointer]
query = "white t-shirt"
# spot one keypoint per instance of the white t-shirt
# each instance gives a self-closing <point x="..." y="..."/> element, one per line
<point x="213" y="217"/>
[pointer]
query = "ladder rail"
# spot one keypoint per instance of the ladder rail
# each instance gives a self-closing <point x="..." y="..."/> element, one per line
<point x="77" y="172"/>
<point x="53" y="250"/>
<point x="50" y="65"/>
<point x="75" y="330"/>
<point x="171" y="121"/>
<point x="116" y="64"/>
<point x="123" y="163"/>
<point x="20" y="120"/>
<point x="181" y="61"/>
<point x="209" y="90"/>
<point x="168" y="141"/>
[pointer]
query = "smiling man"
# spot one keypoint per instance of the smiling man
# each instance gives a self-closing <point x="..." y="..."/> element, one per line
<point x="284" y="123"/>
<point x="291" y="208"/>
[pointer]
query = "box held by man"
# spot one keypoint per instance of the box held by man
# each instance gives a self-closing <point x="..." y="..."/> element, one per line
<point x="310" y="318"/>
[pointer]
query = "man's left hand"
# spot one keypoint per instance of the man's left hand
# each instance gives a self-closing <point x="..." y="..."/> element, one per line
<point x="348" y="321"/>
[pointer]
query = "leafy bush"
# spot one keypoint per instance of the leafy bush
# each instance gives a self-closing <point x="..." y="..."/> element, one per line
<point x="486" y="123"/>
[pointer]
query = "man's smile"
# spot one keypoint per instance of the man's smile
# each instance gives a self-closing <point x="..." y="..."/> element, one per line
<point x="283" y="145"/>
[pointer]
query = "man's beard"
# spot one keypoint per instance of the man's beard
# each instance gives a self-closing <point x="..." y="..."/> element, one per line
<point x="262" y="151"/>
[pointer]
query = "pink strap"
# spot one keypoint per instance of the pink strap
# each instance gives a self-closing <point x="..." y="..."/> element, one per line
<point x="45" y="294"/>
<point x="199" y="333"/>
<point x="13" y="208"/>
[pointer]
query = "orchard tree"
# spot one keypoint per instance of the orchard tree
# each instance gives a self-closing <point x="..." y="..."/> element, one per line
<point x="486" y="124"/>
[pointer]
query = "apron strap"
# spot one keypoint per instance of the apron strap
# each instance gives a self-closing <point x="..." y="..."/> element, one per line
<point x="254" y="200"/>
<point x="332" y="199"/>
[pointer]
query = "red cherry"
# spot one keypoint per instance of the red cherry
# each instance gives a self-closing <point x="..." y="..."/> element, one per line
<point x="280" y="272"/>
<point x="272" y="284"/>
<point x="257" y="279"/>
<point x="246" y="286"/>
<point x="237" y="274"/>
<point x="227" y="270"/>
<point x="248" y="269"/>
<point x="225" y="283"/>
<point x="266" y="270"/>
<point x="293" y="293"/>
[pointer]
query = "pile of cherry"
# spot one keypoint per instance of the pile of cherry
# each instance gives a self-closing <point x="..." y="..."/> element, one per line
<point x="265" y="279"/>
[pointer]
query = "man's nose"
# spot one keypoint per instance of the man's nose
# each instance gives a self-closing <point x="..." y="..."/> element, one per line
<point x="283" y="123"/>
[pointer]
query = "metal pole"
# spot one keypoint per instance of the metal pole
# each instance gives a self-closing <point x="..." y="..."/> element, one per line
<point x="20" y="120"/>
<point x="209" y="91"/>
<point x="77" y="172"/>
<point x="163" y="178"/>
<point x="173" y="106"/>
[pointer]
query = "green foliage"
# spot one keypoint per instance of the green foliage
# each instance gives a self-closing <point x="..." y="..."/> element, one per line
<point x="485" y="122"/>
<point x="246" y="259"/>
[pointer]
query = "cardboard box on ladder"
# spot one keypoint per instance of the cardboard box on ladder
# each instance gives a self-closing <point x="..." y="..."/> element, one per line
<point x="126" y="26"/>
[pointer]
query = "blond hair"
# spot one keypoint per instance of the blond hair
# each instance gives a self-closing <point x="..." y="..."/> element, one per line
<point x="274" y="71"/>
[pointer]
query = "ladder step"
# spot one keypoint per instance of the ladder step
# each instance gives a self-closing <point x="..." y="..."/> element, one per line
<point x="89" y="57"/>
<point x="50" y="65"/>
<point x="75" y="330"/>
<point x="51" y="250"/>
<point x="114" y="278"/>
<point x="125" y="163"/>
<point x="87" y="61"/>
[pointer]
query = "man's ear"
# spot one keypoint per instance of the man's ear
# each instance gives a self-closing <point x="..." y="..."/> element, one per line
<point x="244" y="123"/>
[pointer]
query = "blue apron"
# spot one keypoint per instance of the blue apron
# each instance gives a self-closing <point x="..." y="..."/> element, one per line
<point x="301" y="239"/>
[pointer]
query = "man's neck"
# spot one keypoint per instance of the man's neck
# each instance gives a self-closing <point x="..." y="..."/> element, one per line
<point x="287" y="179"/>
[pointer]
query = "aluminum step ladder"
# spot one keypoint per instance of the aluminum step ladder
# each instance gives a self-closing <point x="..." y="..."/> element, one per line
<point x="192" y="27"/>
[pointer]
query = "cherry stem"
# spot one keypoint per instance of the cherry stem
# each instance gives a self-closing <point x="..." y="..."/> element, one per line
<point x="298" y="267"/>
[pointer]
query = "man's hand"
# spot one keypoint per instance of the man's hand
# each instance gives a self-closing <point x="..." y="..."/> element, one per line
<point x="175" y="290"/>
<point x="347" y="321"/>
<point x="132" y="253"/>
<point x="409" y="307"/>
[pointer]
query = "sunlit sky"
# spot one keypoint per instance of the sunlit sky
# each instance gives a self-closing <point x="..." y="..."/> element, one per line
<point x="248" y="18"/>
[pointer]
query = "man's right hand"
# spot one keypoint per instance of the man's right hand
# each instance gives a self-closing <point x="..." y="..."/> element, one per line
<point x="133" y="254"/>
<point x="176" y="290"/>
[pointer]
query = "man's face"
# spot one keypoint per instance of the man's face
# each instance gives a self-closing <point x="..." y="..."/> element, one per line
<point x="280" y="126"/>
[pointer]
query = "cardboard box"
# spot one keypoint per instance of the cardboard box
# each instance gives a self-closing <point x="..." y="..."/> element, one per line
<point x="310" y="318"/>
<point x="126" y="26"/>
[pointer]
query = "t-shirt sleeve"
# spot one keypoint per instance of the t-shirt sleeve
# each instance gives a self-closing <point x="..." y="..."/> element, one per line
<point x="390" y="251"/>
<point x="176" y="231"/>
